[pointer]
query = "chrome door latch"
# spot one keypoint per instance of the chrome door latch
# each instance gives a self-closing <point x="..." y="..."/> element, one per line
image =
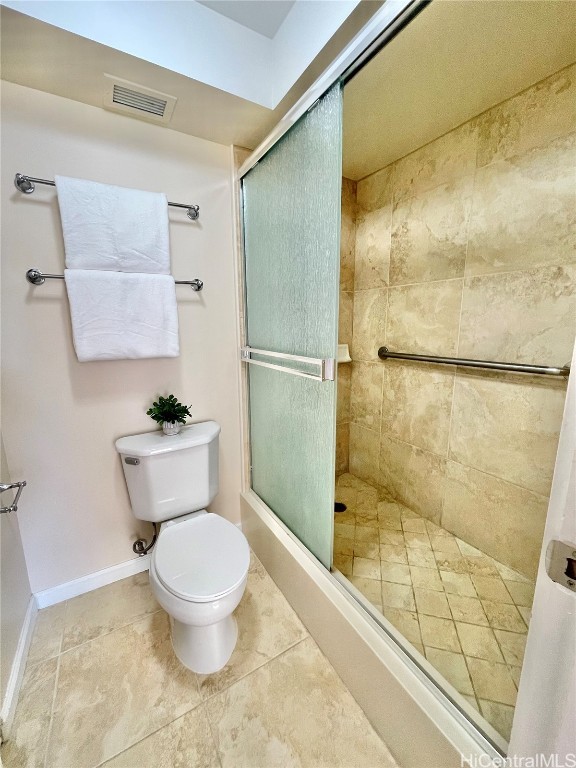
<point x="8" y="487"/>
<point x="561" y="563"/>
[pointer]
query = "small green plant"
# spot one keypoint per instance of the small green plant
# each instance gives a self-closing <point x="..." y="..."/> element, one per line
<point x="169" y="409"/>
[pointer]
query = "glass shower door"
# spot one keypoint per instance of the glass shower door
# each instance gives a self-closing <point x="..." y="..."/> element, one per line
<point x="291" y="201"/>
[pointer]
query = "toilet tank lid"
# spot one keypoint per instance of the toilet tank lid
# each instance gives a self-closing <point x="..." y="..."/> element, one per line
<point x="152" y="443"/>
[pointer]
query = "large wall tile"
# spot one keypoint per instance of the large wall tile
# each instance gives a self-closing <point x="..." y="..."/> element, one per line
<point x="413" y="476"/>
<point x="347" y="235"/>
<point x="416" y="404"/>
<point x="345" y="317"/>
<point x="424" y="318"/>
<point x="508" y="428"/>
<point x="342" y="447"/>
<point x="524" y="210"/>
<point x="429" y="234"/>
<point x="524" y="317"/>
<point x="443" y="161"/>
<point x="372" y="261"/>
<point x="369" y="323"/>
<point x="375" y="191"/>
<point x="364" y="453"/>
<point x="366" y="394"/>
<point x="541" y="113"/>
<point x="501" y="519"/>
<point x="343" y="393"/>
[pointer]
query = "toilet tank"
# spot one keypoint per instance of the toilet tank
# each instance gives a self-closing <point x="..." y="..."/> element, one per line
<point x="170" y="475"/>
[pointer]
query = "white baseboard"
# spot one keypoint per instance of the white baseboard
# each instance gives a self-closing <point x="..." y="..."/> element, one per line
<point x="18" y="665"/>
<point x="91" y="581"/>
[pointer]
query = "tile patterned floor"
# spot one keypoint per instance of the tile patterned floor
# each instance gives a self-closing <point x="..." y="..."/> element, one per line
<point x="465" y="612"/>
<point x="102" y="687"/>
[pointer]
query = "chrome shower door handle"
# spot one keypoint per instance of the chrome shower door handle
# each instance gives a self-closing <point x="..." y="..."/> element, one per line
<point x="8" y="487"/>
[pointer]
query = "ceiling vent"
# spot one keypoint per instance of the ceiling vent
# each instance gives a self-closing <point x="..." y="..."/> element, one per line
<point x="137" y="100"/>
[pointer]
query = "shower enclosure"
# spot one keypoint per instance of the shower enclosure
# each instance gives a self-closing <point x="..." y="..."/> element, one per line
<point x="449" y="241"/>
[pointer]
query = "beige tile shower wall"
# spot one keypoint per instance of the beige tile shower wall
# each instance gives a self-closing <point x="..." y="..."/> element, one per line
<point x="347" y="249"/>
<point x="467" y="248"/>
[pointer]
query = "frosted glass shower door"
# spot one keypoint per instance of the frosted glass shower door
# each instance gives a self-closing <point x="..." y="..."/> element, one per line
<point x="291" y="202"/>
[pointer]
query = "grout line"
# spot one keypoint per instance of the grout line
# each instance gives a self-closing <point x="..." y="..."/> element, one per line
<point x="52" y="709"/>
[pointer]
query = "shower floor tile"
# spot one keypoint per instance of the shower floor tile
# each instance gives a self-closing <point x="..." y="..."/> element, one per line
<point x="466" y="612"/>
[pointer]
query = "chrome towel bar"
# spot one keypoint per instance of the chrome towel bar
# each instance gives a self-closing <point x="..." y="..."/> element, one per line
<point x="326" y="366"/>
<point x="36" y="277"/>
<point x="26" y="184"/>
<point x="9" y="487"/>
<point x="384" y="353"/>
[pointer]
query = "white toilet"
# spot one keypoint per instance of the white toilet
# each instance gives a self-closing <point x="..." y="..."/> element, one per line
<point x="200" y="561"/>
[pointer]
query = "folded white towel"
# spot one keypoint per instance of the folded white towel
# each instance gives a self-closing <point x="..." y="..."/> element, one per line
<point x="119" y="316"/>
<point x="113" y="228"/>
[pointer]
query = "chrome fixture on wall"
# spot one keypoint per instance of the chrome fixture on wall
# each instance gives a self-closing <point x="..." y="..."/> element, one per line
<point x="8" y="487"/>
<point x="36" y="277"/>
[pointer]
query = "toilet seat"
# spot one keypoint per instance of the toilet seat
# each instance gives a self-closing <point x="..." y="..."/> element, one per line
<point x="201" y="559"/>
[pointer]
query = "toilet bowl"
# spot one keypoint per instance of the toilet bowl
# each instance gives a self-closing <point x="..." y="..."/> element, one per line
<point x="200" y="561"/>
<point x="198" y="575"/>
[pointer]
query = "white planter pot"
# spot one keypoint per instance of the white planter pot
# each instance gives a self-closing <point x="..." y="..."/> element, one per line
<point x="171" y="427"/>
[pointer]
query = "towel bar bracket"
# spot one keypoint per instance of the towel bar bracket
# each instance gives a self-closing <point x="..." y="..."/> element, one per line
<point x="36" y="277"/>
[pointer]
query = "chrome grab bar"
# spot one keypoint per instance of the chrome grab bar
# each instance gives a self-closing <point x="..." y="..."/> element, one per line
<point x="326" y="366"/>
<point x="384" y="353"/>
<point x="8" y="487"/>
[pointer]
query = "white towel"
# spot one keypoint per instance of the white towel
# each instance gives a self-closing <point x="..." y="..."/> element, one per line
<point x="113" y="228"/>
<point x="119" y="316"/>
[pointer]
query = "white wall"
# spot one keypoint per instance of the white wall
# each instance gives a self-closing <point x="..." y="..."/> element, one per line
<point x="61" y="417"/>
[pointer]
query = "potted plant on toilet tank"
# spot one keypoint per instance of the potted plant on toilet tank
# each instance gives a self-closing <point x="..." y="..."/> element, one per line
<point x="169" y="412"/>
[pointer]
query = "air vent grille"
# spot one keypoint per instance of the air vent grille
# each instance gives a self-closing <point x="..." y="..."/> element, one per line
<point x="137" y="100"/>
<point x="129" y="98"/>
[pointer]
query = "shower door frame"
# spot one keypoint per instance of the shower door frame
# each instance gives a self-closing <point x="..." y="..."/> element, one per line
<point x="385" y="25"/>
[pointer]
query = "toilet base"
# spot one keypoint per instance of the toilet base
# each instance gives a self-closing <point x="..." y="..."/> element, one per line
<point x="207" y="649"/>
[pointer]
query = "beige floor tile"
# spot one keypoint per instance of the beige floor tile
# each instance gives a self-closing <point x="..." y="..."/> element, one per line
<point x="414" y="525"/>
<point x="431" y="603"/>
<point x="370" y="588"/>
<point x="344" y="530"/>
<point x="503" y="616"/>
<point x="515" y="673"/>
<point x="481" y="566"/>
<point x="267" y="626"/>
<point x="478" y="642"/>
<point x="389" y="524"/>
<point x="467" y="609"/>
<point x="345" y="518"/>
<point x="445" y="544"/>
<point x="508" y="574"/>
<point x="102" y="682"/>
<point x="309" y="719"/>
<point x="363" y="533"/>
<point x="397" y="596"/>
<point x="467" y="549"/>
<point x="426" y="578"/>
<point x="438" y="633"/>
<point x="449" y="561"/>
<point x="343" y="546"/>
<point x="185" y="742"/>
<point x="393" y="554"/>
<point x="436" y="530"/>
<point x="396" y="538"/>
<point x="492" y="681"/>
<point x="458" y="583"/>
<point x="526" y="614"/>
<point x="396" y="572"/>
<point x="453" y="667"/>
<point x="367" y="549"/>
<point x="500" y="716"/>
<point x="368" y="569"/>
<point x="343" y="563"/>
<point x="512" y="645"/>
<point x="26" y="747"/>
<point x="491" y="588"/>
<point x="472" y="701"/>
<point x="421" y="558"/>
<point x="405" y="622"/>
<point x="367" y="519"/>
<point x="522" y="594"/>
<point x="47" y="636"/>
<point x="414" y="539"/>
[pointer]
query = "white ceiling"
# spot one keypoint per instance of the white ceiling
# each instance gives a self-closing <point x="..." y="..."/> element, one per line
<point x="261" y="16"/>
<point x="454" y="61"/>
